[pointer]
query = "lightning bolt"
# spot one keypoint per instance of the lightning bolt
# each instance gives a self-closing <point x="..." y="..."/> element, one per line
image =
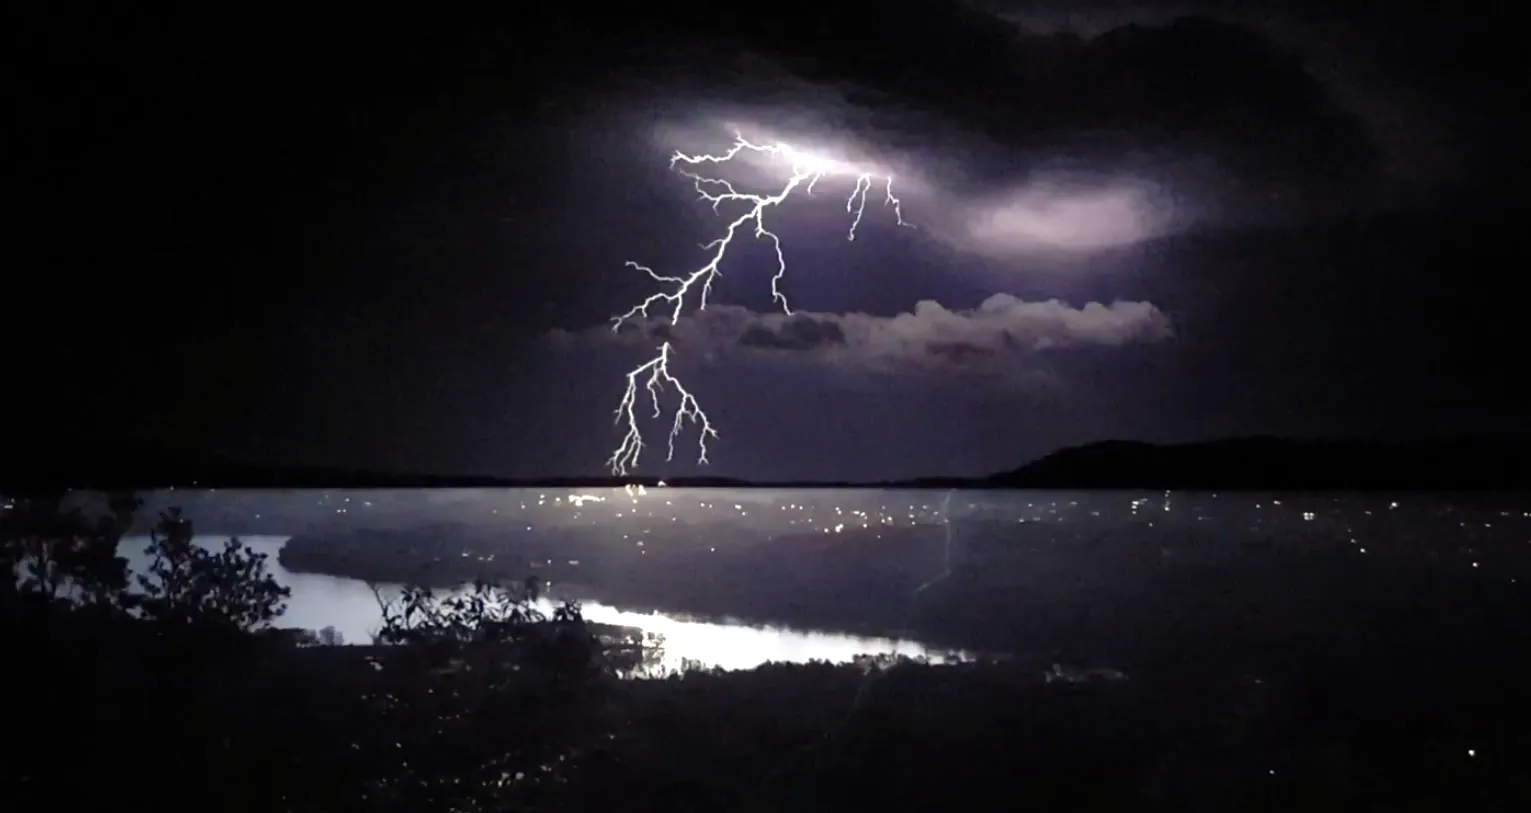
<point x="804" y="171"/>
<point x="625" y="457"/>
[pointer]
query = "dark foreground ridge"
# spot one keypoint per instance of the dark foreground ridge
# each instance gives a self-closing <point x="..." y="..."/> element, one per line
<point x="1213" y="671"/>
<point x="1233" y="464"/>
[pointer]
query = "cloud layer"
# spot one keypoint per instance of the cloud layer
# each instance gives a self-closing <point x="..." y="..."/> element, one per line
<point x="1050" y="212"/>
<point x="1003" y="336"/>
<point x="1253" y="121"/>
<point x="1051" y="143"/>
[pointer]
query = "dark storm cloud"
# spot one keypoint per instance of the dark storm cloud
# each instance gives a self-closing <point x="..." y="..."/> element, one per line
<point x="801" y="333"/>
<point x="1214" y="109"/>
<point x="1002" y="337"/>
<point x="397" y="205"/>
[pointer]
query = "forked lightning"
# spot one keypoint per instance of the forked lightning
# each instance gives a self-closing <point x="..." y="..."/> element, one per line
<point x="658" y="370"/>
<point x="804" y="171"/>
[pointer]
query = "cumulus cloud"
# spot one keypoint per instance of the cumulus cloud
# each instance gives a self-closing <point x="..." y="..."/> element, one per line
<point x="1004" y="336"/>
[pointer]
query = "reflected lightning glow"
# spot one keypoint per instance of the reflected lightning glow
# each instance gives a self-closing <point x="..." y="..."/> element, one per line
<point x="803" y="171"/>
<point x="584" y="541"/>
<point x="736" y="646"/>
<point x="349" y="606"/>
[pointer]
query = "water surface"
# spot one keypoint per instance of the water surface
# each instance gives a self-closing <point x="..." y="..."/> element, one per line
<point x="1242" y="582"/>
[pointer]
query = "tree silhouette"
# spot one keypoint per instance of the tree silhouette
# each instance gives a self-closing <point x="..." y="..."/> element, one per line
<point x="56" y="554"/>
<point x="480" y="698"/>
<point x="188" y="584"/>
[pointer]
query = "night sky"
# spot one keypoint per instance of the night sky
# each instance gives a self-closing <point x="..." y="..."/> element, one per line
<point x="397" y="240"/>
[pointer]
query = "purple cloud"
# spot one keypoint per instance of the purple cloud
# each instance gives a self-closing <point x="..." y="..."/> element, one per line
<point x="1002" y="337"/>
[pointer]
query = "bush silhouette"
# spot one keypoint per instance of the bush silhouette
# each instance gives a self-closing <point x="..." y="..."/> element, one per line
<point x="469" y="700"/>
<point x="187" y="584"/>
<point x="58" y="554"/>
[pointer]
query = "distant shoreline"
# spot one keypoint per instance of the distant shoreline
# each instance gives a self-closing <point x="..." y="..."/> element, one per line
<point x="1232" y="465"/>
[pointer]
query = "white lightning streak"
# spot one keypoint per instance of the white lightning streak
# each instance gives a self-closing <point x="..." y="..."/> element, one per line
<point x="658" y="370"/>
<point x="804" y="171"/>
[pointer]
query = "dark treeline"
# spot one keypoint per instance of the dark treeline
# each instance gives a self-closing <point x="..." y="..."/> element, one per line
<point x="176" y="680"/>
<point x="1279" y="464"/>
<point x="173" y="688"/>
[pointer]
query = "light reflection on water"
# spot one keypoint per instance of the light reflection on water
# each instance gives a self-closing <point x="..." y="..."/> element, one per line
<point x="736" y="646"/>
<point x="1092" y="576"/>
<point x="349" y="606"/>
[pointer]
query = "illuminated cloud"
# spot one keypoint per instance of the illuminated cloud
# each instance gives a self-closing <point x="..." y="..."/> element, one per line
<point x="1054" y="142"/>
<point x="1002" y="337"/>
<point x="761" y="173"/>
<point x="1045" y="213"/>
<point x="1049" y="216"/>
<point x="838" y="152"/>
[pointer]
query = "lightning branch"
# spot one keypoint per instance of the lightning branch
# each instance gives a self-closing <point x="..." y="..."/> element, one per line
<point x="802" y="173"/>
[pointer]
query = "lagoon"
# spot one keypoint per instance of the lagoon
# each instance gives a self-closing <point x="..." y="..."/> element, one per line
<point x="1140" y="581"/>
